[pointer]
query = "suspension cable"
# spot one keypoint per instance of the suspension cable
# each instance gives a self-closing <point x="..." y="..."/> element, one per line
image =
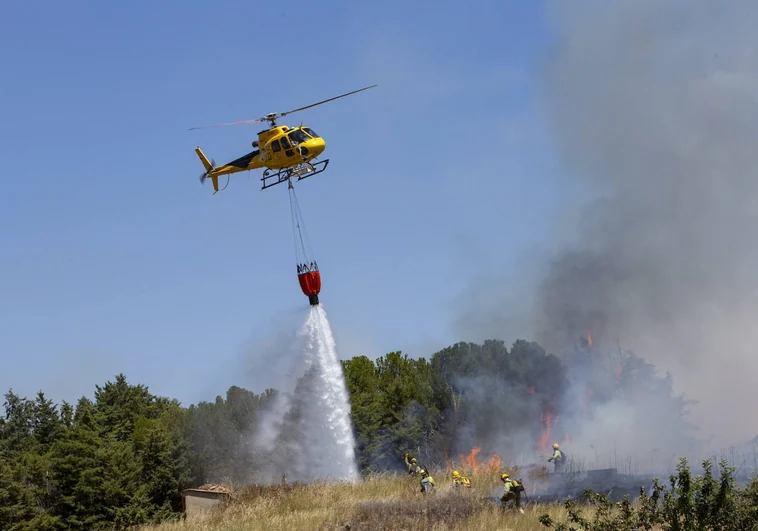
<point x="299" y="231"/>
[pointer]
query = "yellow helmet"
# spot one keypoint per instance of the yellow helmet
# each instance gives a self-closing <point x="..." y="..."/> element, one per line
<point x="413" y="459"/>
<point x="555" y="445"/>
<point x="504" y="476"/>
<point x="456" y="474"/>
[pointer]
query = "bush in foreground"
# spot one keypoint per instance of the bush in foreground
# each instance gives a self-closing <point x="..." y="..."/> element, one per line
<point x="690" y="504"/>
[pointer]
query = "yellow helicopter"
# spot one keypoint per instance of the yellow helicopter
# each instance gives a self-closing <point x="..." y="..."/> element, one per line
<point x="283" y="151"/>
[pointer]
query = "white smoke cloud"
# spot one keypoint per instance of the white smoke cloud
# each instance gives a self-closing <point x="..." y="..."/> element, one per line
<point x="653" y="105"/>
<point x="652" y="108"/>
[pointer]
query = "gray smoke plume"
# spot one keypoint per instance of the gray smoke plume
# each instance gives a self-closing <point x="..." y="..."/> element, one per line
<point x="653" y="109"/>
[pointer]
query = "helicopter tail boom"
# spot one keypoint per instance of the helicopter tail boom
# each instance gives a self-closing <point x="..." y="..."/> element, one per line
<point x="204" y="159"/>
<point x="208" y="169"/>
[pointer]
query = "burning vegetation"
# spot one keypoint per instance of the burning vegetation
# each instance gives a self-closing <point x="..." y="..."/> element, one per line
<point x="476" y="407"/>
<point x="512" y="405"/>
<point x="469" y="463"/>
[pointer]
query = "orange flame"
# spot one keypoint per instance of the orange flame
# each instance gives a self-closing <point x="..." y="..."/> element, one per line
<point x="469" y="463"/>
<point x="495" y="463"/>
<point x="547" y="421"/>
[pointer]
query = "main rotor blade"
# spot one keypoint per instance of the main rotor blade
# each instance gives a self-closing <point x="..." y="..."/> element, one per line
<point x="325" y="101"/>
<point x="229" y="123"/>
<point x="275" y="115"/>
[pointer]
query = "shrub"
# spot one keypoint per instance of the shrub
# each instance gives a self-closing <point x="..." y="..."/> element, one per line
<point x="697" y="503"/>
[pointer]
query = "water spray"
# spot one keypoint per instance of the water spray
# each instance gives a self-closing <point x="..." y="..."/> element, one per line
<point x="328" y="441"/>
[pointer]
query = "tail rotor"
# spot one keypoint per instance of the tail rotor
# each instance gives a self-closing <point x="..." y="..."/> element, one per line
<point x="204" y="175"/>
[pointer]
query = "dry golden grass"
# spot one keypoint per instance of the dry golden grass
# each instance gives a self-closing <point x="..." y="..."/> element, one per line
<point x="378" y="502"/>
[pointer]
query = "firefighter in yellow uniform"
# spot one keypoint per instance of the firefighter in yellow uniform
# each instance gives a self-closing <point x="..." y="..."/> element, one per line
<point x="413" y="468"/>
<point x="460" y="481"/>
<point x="427" y="481"/>
<point x="558" y="458"/>
<point x="511" y="491"/>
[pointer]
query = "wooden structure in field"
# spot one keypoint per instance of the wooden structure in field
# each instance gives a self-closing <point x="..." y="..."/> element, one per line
<point x="197" y="500"/>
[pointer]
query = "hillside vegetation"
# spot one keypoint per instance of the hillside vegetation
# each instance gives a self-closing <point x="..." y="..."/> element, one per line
<point x="122" y="457"/>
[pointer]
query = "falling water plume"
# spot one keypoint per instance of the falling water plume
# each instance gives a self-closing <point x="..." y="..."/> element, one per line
<point x="328" y="441"/>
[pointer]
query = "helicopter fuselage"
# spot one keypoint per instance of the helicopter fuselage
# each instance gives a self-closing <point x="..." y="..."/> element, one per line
<point x="277" y="148"/>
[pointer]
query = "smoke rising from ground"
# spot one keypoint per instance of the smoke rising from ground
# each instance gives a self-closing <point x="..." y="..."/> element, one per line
<point x="618" y="413"/>
<point x="609" y="409"/>
<point x="653" y="108"/>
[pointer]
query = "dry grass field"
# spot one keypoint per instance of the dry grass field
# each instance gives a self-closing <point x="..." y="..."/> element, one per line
<point x="383" y="502"/>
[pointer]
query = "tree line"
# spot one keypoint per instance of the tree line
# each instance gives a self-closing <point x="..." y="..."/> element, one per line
<point x="122" y="457"/>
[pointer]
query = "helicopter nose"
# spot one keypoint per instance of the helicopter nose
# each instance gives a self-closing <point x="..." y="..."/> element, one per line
<point x="312" y="148"/>
<point x="317" y="146"/>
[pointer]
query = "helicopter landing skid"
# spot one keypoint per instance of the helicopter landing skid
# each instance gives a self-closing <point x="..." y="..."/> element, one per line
<point x="301" y="171"/>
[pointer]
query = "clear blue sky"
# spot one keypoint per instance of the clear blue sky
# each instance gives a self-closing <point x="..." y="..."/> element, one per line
<point x="115" y="259"/>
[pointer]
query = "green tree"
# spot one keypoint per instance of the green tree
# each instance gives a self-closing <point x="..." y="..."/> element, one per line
<point x="47" y="425"/>
<point x="18" y="425"/>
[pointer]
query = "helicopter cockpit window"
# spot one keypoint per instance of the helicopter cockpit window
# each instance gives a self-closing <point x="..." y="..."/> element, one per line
<point x="275" y="145"/>
<point x="285" y="143"/>
<point x="297" y="136"/>
<point x="310" y="132"/>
